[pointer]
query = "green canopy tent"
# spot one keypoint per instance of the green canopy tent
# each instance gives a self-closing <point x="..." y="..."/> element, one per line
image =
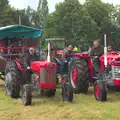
<point x="19" y="31"/>
<point x="14" y="32"/>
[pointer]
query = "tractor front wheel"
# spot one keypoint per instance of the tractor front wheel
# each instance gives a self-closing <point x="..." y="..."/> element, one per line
<point x="51" y="93"/>
<point x="48" y="93"/>
<point x="100" y="91"/>
<point x="67" y="92"/>
<point x="26" y="95"/>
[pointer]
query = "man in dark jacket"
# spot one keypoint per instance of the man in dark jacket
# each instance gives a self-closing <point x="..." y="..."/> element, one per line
<point x="96" y="52"/>
<point x="97" y="49"/>
<point x="28" y="59"/>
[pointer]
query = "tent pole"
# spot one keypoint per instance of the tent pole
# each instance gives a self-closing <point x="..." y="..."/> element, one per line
<point x="19" y="20"/>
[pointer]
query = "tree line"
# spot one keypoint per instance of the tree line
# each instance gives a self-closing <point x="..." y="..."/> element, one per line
<point x="77" y="23"/>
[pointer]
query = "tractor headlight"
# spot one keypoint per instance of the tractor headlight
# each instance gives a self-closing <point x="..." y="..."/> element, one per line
<point x="116" y="69"/>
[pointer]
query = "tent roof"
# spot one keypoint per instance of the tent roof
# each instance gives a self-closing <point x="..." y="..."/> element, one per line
<point x="19" y="31"/>
<point x="56" y="39"/>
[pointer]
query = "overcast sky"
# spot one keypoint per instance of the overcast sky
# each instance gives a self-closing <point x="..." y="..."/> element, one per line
<point x="51" y="3"/>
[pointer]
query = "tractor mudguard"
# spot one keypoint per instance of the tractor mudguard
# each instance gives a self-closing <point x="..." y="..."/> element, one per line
<point x="18" y="65"/>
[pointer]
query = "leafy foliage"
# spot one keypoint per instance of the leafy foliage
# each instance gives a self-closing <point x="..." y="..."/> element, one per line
<point x="78" y="23"/>
<point x="42" y="12"/>
<point x="5" y="13"/>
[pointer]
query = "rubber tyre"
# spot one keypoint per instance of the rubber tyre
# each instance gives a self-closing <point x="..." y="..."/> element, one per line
<point x="26" y="95"/>
<point x="67" y="92"/>
<point x="42" y="93"/>
<point x="48" y="93"/>
<point x="100" y="91"/>
<point x="80" y="84"/>
<point x="12" y="80"/>
<point x="51" y="93"/>
<point x="65" y="77"/>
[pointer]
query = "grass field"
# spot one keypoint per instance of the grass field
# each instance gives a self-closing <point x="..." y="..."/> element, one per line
<point x="84" y="107"/>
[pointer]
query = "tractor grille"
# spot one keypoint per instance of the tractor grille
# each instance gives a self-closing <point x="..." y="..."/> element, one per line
<point x="116" y="72"/>
<point x="47" y="75"/>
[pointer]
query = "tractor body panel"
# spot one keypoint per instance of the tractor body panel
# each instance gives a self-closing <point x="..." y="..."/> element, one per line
<point x="46" y="72"/>
<point x="18" y="64"/>
<point x="113" y="76"/>
<point x="114" y="63"/>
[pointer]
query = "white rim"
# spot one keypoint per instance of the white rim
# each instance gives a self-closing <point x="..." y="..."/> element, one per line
<point x="73" y="85"/>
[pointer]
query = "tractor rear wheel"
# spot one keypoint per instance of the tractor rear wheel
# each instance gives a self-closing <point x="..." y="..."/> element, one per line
<point x="12" y="78"/>
<point x="79" y="75"/>
<point x="100" y="91"/>
<point x="26" y="95"/>
<point x="67" y="92"/>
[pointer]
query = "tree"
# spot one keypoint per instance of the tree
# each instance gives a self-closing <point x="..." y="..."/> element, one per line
<point x="42" y="13"/>
<point x="50" y="28"/>
<point x="115" y="20"/>
<point x="5" y="13"/>
<point x="72" y="21"/>
<point x="101" y="14"/>
<point x="16" y="14"/>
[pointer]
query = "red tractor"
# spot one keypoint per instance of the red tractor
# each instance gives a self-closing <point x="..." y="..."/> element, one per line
<point x="43" y="79"/>
<point x="57" y="45"/>
<point x="82" y="72"/>
<point x="16" y="40"/>
<point x="57" y="54"/>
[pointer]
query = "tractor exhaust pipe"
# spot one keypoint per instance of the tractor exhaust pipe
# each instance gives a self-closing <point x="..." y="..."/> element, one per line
<point x="48" y="56"/>
<point x="105" y="51"/>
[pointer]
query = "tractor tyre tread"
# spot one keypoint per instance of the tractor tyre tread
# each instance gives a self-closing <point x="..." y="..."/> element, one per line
<point x="26" y="95"/>
<point x="83" y="75"/>
<point x="14" y="91"/>
<point x="103" y="91"/>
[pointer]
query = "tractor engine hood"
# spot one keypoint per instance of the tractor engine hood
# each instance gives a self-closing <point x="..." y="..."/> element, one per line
<point x="83" y="55"/>
<point x="36" y="65"/>
<point x="113" y="58"/>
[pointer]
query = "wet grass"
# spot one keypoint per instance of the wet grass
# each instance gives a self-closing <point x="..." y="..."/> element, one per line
<point x="84" y="107"/>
